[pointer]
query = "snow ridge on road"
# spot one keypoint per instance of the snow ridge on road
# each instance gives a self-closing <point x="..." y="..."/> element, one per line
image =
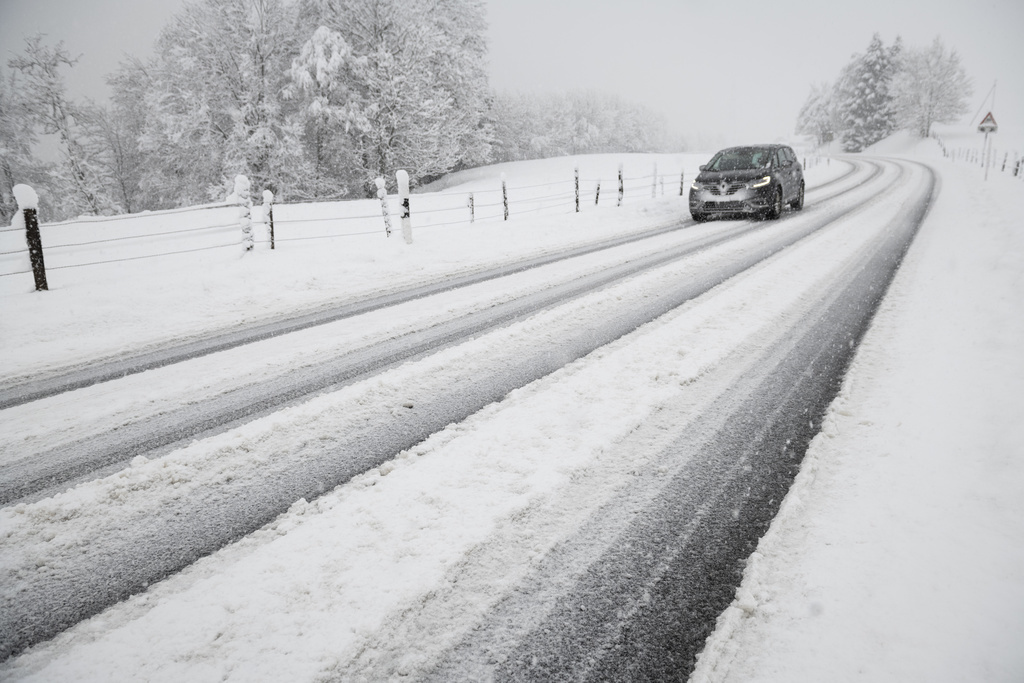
<point x="175" y="475"/>
<point x="43" y="469"/>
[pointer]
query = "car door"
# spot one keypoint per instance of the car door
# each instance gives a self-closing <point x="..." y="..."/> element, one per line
<point x="779" y="166"/>
<point x="785" y="170"/>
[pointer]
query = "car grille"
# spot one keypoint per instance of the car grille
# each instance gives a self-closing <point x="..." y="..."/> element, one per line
<point x="724" y="206"/>
<point x="725" y="190"/>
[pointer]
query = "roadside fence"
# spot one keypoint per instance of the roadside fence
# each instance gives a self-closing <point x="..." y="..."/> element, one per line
<point x="238" y="223"/>
<point x="997" y="160"/>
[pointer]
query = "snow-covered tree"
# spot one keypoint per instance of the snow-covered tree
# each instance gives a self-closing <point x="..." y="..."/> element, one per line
<point x="119" y="128"/>
<point x="817" y="116"/>
<point x="863" y="100"/>
<point x="40" y="82"/>
<point x="580" y="122"/>
<point x="885" y="89"/>
<point x="321" y="83"/>
<point x="215" y="99"/>
<point x="931" y="88"/>
<point x="16" y="163"/>
<point x="418" y="83"/>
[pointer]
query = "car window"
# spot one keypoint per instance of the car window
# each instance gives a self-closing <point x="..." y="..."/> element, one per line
<point x="739" y="159"/>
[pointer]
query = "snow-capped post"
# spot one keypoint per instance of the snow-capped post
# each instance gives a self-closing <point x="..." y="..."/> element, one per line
<point x="1005" y="158"/>
<point x="597" y="193"/>
<point x="382" y="195"/>
<point x="504" y="195"/>
<point x="268" y="214"/>
<point x="654" y="183"/>
<point x="622" y="188"/>
<point x="403" y="193"/>
<point x="682" y="183"/>
<point x="243" y="198"/>
<point x="472" y="209"/>
<point x="576" y="175"/>
<point x="28" y="204"/>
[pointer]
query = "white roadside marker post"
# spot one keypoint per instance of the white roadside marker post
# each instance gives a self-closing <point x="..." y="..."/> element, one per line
<point x="382" y="195"/>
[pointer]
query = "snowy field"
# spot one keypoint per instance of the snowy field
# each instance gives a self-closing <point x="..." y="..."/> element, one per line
<point x="897" y="556"/>
<point x="324" y="254"/>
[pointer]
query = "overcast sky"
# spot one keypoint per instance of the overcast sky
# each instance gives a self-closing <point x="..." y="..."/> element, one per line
<point x="721" y="72"/>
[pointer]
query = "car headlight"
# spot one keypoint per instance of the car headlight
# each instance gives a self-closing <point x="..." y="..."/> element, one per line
<point x="760" y="182"/>
<point x="695" y="185"/>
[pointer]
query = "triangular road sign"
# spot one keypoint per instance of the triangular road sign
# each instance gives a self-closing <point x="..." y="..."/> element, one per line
<point x="988" y="124"/>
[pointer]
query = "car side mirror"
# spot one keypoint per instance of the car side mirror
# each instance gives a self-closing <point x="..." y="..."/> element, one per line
<point x="703" y="167"/>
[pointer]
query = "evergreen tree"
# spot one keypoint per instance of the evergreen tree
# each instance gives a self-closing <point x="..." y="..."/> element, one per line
<point x="864" y="103"/>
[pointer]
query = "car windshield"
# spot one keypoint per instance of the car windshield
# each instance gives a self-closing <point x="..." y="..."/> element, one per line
<point x="740" y="159"/>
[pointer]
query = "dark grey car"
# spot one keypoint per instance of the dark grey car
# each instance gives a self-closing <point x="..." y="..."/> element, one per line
<point x="753" y="180"/>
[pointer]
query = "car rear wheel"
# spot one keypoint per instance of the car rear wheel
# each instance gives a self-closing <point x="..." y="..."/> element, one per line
<point x="775" y="210"/>
<point x="798" y="203"/>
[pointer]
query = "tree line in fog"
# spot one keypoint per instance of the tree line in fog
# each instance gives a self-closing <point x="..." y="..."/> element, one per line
<point x="885" y="89"/>
<point x="312" y="99"/>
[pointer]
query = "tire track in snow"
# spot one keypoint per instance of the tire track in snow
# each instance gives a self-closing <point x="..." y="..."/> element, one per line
<point x="21" y="392"/>
<point x="191" y="523"/>
<point x="49" y="471"/>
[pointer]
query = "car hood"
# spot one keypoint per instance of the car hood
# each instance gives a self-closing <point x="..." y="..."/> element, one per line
<point x="713" y="177"/>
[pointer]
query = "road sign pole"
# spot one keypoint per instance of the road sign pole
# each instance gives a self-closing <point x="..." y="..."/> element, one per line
<point x="987" y="125"/>
<point x="984" y="146"/>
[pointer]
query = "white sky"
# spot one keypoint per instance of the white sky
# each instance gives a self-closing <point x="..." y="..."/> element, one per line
<point x="734" y="71"/>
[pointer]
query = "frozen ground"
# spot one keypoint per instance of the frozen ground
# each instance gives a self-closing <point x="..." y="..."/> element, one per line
<point x="898" y="556"/>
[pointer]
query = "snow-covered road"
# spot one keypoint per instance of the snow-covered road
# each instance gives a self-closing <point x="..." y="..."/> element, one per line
<point x="74" y="434"/>
<point x="69" y="555"/>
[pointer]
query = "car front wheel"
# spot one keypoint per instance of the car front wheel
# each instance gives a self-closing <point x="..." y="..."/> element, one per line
<point x="775" y="210"/>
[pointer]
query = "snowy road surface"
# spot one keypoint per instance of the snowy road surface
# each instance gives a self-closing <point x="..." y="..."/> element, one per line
<point x="427" y="324"/>
<point x="692" y="422"/>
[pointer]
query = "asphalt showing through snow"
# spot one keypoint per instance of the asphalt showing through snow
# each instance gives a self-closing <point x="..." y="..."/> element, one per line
<point x="49" y="470"/>
<point x="204" y="520"/>
<point x="643" y="609"/>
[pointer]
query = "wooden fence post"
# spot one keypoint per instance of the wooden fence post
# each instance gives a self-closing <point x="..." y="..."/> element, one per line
<point x="268" y="214"/>
<point x="28" y="204"/>
<point x="472" y="209"/>
<point x="403" y="192"/>
<point x="622" y="189"/>
<point x="576" y="175"/>
<point x="504" y="195"/>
